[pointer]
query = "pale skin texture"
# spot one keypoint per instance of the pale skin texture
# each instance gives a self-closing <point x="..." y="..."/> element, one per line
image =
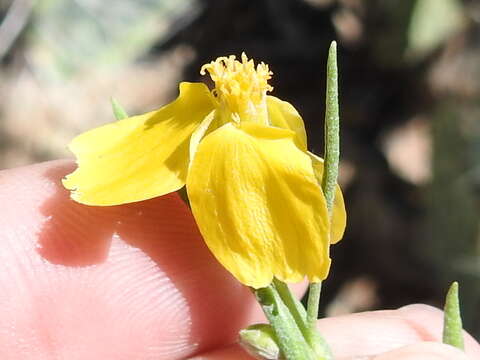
<point x="137" y="282"/>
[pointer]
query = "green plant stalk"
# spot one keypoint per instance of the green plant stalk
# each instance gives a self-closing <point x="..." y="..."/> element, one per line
<point x="313" y="337"/>
<point x="293" y="304"/>
<point x="290" y="339"/>
<point x="452" y="320"/>
<point x="332" y="156"/>
<point x="313" y="303"/>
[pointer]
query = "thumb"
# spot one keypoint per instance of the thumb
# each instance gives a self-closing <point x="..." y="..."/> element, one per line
<point x="120" y="282"/>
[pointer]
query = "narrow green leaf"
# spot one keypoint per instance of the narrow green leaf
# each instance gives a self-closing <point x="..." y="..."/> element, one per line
<point x="332" y="156"/>
<point x="332" y="129"/>
<point x="452" y="321"/>
<point x="118" y="110"/>
<point x="329" y="182"/>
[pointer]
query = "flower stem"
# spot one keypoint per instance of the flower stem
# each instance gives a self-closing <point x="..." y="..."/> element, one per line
<point x="332" y="155"/>
<point x="313" y="303"/>
<point x="293" y="304"/>
<point x="290" y="339"/>
<point x="313" y="337"/>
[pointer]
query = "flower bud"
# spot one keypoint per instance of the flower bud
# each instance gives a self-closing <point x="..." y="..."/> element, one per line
<point x="259" y="341"/>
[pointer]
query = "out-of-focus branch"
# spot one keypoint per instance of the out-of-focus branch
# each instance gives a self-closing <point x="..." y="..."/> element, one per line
<point x="13" y="23"/>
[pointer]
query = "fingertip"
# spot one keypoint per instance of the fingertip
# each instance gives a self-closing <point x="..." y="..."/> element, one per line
<point x="421" y="308"/>
<point x="424" y="351"/>
<point x="428" y="322"/>
<point x="376" y="332"/>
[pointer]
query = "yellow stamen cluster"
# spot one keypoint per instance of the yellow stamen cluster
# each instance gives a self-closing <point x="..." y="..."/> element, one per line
<point x="240" y="87"/>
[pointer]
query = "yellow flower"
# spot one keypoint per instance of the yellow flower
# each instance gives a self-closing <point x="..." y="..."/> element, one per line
<point x="253" y="187"/>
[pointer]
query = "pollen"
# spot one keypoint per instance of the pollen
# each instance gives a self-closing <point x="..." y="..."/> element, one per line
<point x="240" y="87"/>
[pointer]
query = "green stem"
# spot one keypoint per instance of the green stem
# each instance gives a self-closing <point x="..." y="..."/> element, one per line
<point x="292" y="303"/>
<point x="290" y="339"/>
<point x="332" y="155"/>
<point x="313" y="337"/>
<point x="313" y="304"/>
<point x="452" y="321"/>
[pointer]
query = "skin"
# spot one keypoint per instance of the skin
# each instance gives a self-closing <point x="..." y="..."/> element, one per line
<point x="137" y="282"/>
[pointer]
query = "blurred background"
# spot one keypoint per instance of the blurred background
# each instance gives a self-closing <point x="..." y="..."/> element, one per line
<point x="410" y="112"/>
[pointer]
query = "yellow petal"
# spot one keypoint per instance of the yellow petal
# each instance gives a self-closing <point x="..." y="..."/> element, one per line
<point x="339" y="215"/>
<point x="283" y="115"/>
<point x="258" y="205"/>
<point x="206" y="126"/>
<point x="140" y="157"/>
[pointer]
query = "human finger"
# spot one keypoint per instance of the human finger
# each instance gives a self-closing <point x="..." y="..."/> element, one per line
<point x="424" y="351"/>
<point x="372" y="333"/>
<point x="108" y="282"/>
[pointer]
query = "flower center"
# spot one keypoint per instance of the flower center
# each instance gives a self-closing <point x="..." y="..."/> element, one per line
<point x="240" y="88"/>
